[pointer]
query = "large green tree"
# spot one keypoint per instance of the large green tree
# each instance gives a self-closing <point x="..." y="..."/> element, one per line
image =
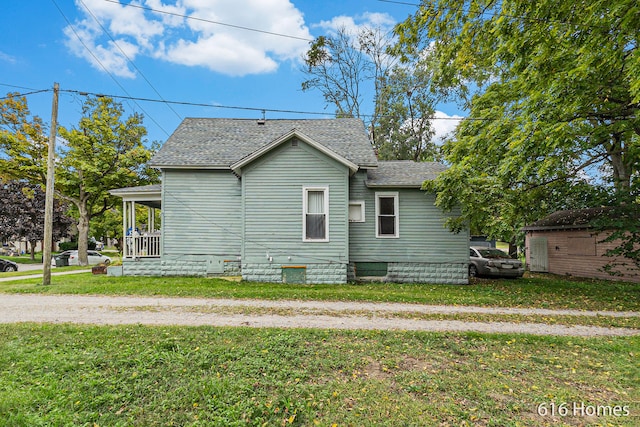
<point x="348" y="68"/>
<point x="553" y="93"/>
<point x="23" y="141"/>
<point x="356" y="73"/>
<point x="104" y="152"/>
<point x="22" y="208"/>
<point x="407" y="105"/>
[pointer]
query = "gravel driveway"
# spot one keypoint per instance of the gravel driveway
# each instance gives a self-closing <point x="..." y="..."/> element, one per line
<point x="119" y="310"/>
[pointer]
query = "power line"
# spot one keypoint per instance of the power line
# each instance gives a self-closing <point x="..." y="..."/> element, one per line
<point x="208" y="105"/>
<point x="197" y="104"/>
<point x="18" y="87"/>
<point x="127" y="57"/>
<point x="235" y="107"/>
<point x="33" y="92"/>
<point x="240" y="27"/>
<point x="103" y="67"/>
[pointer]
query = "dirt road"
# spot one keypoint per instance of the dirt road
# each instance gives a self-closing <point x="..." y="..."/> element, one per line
<point x="119" y="310"/>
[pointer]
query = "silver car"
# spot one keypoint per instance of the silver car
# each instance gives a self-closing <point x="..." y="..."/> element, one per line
<point x="485" y="261"/>
<point x="94" y="257"/>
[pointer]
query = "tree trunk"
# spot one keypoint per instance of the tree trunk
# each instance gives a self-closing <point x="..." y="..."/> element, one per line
<point x="33" y="244"/>
<point x="83" y="235"/>
<point x="621" y="170"/>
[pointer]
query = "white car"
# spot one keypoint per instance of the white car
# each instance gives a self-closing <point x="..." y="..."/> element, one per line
<point x="94" y="257"/>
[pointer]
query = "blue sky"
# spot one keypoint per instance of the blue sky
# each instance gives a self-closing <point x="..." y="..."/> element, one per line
<point x="107" y="47"/>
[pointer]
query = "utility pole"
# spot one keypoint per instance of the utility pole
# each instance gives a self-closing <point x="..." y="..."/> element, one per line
<point x="48" y="204"/>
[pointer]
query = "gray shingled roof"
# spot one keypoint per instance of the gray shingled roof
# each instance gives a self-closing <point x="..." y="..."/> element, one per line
<point x="219" y="143"/>
<point x="403" y="173"/>
<point x="570" y="219"/>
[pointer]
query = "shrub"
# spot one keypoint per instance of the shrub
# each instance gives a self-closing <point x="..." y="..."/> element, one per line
<point x="72" y="246"/>
<point x="68" y="246"/>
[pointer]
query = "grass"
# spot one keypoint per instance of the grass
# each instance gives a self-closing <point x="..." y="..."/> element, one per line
<point x="205" y="376"/>
<point x="211" y="376"/>
<point x="25" y="259"/>
<point x="539" y="291"/>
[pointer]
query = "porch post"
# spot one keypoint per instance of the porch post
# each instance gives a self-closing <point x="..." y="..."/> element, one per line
<point x="151" y="226"/>
<point x="124" y="229"/>
<point x="134" y="237"/>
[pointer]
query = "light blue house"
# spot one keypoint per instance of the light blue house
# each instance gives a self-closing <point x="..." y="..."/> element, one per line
<point x="302" y="201"/>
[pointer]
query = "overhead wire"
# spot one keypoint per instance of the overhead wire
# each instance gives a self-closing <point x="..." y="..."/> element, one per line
<point x="271" y="110"/>
<point x="104" y="68"/>
<point x="208" y="105"/>
<point x="33" y="92"/>
<point x="194" y="18"/>
<point x="127" y="57"/>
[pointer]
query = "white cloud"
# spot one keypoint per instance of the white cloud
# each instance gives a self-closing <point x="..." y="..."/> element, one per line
<point x="226" y="49"/>
<point x="7" y="58"/>
<point x="220" y="53"/>
<point x="81" y="40"/>
<point x="352" y="24"/>
<point x="444" y="125"/>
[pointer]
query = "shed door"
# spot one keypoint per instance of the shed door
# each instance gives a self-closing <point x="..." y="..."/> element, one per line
<point x="538" y="254"/>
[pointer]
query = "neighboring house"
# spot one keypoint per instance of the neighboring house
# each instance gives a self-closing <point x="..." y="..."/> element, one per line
<point x="566" y="243"/>
<point x="302" y="201"/>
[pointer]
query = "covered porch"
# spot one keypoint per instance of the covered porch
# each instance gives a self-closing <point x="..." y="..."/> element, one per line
<point x="141" y="239"/>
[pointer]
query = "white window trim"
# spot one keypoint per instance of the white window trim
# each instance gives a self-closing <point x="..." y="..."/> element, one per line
<point x="359" y="203"/>
<point x="305" y="199"/>
<point x="396" y="211"/>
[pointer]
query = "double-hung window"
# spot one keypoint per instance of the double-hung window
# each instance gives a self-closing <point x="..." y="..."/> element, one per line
<point x="387" y="216"/>
<point x="315" y="222"/>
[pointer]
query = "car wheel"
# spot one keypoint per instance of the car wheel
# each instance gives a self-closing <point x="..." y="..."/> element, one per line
<point x="10" y="268"/>
<point x="473" y="271"/>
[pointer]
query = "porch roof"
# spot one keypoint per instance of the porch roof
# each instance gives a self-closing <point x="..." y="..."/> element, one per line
<point x="148" y="195"/>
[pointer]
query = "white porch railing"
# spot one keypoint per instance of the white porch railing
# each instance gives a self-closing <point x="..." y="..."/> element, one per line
<point x="146" y="245"/>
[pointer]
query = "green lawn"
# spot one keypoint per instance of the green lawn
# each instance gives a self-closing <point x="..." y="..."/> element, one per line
<point x="211" y="376"/>
<point x="25" y="259"/>
<point x="206" y="376"/>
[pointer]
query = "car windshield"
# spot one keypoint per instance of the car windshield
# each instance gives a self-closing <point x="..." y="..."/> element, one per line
<point x="493" y="253"/>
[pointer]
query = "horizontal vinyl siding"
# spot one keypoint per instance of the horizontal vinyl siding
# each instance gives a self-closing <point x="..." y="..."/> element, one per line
<point x="423" y="238"/>
<point x="563" y="260"/>
<point x="201" y="213"/>
<point x="273" y="188"/>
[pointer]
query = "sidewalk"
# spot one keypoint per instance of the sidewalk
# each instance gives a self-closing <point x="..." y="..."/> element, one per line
<point x="37" y="275"/>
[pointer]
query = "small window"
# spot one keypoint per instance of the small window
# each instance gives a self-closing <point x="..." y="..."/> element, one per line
<point x="356" y="211"/>
<point x="387" y="222"/>
<point x="294" y="274"/>
<point x="315" y="227"/>
<point x="581" y="245"/>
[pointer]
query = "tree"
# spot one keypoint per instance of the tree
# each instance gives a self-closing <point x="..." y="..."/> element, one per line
<point x="345" y="66"/>
<point x="103" y="153"/>
<point x="553" y="92"/>
<point x="22" y="214"/>
<point x="406" y="105"/>
<point x="23" y="141"/>
<point x="108" y="226"/>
